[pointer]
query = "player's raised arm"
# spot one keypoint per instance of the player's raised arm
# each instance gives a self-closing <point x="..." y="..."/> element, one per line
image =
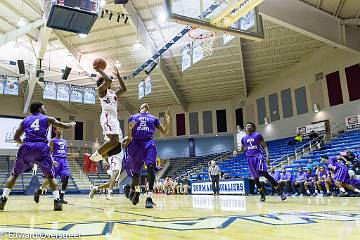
<point x="264" y="145"/>
<point x="129" y="136"/>
<point x="122" y="87"/>
<point x="107" y="80"/>
<point x="162" y="129"/>
<point x="19" y="132"/>
<point x="56" y="123"/>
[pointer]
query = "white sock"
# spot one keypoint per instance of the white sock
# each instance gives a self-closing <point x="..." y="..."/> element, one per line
<point x="149" y="194"/>
<point x="6" y="192"/>
<point x="308" y="192"/>
<point x="96" y="157"/>
<point x="56" y="195"/>
<point x="342" y="189"/>
<point x="356" y="190"/>
<point x="63" y="192"/>
<point x="110" y="191"/>
<point x="137" y="188"/>
<point x="95" y="188"/>
<point x="327" y="191"/>
<point x="316" y="191"/>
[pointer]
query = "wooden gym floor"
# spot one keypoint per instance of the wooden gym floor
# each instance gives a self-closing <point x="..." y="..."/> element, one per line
<point x="184" y="217"/>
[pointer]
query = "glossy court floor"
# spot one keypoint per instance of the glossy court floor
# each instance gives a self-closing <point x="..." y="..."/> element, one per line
<point x="184" y="217"/>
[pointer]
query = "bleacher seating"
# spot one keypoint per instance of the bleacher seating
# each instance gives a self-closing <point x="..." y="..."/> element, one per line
<point x="347" y="141"/>
<point x="184" y="166"/>
<point x="24" y="179"/>
<point x="236" y="167"/>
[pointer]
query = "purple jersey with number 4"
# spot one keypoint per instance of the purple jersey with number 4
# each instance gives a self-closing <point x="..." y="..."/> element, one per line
<point x="141" y="149"/>
<point x="36" y="128"/>
<point x="35" y="148"/>
<point x="252" y="143"/>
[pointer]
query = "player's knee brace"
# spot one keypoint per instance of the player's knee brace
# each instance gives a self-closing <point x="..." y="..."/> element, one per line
<point x="151" y="176"/>
<point x="116" y="150"/>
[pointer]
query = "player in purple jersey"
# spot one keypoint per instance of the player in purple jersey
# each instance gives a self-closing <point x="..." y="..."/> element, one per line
<point x="253" y="144"/>
<point x="141" y="150"/>
<point x="310" y="181"/>
<point x="34" y="149"/>
<point x="324" y="181"/>
<point x="340" y="175"/>
<point x="58" y="151"/>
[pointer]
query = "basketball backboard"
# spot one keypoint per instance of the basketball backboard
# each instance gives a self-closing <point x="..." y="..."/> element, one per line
<point x="234" y="17"/>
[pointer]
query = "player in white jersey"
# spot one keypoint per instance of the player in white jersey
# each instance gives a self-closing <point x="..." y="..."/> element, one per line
<point x="108" y="118"/>
<point x="115" y="163"/>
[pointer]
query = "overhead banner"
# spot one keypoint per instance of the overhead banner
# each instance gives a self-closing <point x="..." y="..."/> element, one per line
<point x="49" y="90"/>
<point x="197" y="51"/>
<point x="226" y="187"/>
<point x="148" y="85"/>
<point x="141" y="88"/>
<point x="89" y="95"/>
<point x="2" y="83"/>
<point x="317" y="127"/>
<point x="186" y="57"/>
<point x="11" y="86"/>
<point x="352" y="122"/>
<point x="76" y="94"/>
<point x="63" y="92"/>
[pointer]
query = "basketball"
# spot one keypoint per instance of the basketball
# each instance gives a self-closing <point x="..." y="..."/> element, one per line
<point x="100" y="63"/>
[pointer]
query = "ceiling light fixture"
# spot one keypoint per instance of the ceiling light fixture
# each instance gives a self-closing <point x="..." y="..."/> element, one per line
<point x="83" y="35"/>
<point x="21" y="22"/>
<point x="137" y="45"/>
<point x="162" y="17"/>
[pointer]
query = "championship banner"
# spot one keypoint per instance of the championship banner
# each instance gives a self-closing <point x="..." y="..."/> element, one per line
<point x="226" y="187"/>
<point x="352" y="122"/>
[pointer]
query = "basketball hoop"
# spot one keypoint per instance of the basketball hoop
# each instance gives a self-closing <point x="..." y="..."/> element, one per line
<point x="205" y="39"/>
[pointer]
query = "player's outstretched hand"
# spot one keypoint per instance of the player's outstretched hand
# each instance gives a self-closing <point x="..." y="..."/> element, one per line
<point x="116" y="72"/>
<point x="132" y="124"/>
<point x="72" y="124"/>
<point x="55" y="163"/>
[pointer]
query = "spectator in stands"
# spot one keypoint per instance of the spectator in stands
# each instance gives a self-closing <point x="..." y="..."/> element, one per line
<point x="285" y="180"/>
<point x="310" y="182"/>
<point x="168" y="184"/>
<point x="298" y="184"/>
<point x="348" y="157"/>
<point x="276" y="176"/>
<point x="354" y="179"/>
<point x="186" y="186"/>
<point x="313" y="135"/>
<point x="297" y="138"/>
<point x="324" y="181"/>
<point x="214" y="175"/>
<point x="173" y="189"/>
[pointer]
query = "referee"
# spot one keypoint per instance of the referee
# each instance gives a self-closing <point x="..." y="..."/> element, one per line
<point x="214" y="174"/>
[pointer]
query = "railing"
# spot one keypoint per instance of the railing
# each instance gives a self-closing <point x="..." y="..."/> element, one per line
<point x="308" y="146"/>
<point x="299" y="151"/>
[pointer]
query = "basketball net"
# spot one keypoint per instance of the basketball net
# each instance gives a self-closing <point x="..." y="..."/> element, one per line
<point x="203" y="38"/>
